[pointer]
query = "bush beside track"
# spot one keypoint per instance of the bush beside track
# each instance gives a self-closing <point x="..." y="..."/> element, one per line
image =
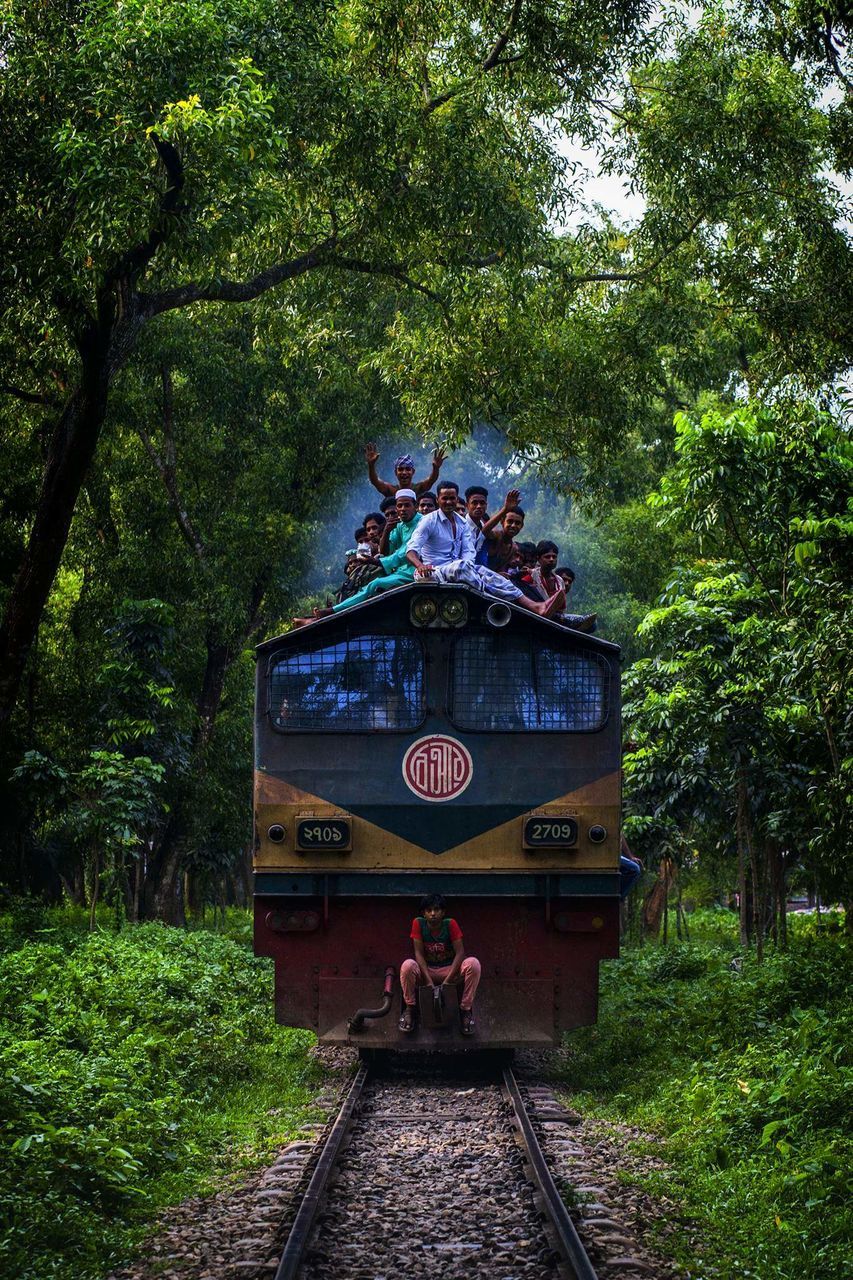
<point x="133" y="1066"/>
<point x="742" y="1071"/>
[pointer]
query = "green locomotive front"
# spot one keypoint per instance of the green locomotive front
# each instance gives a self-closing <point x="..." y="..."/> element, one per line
<point x="436" y="739"/>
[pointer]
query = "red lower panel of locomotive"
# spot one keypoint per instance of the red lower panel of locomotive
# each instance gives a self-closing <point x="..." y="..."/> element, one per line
<point x="539" y="963"/>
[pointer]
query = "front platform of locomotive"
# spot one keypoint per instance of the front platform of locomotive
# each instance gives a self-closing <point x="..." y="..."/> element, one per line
<point x="436" y="740"/>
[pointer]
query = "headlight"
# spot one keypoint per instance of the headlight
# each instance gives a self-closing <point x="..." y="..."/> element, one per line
<point x="454" y="611"/>
<point x="423" y="610"/>
<point x="597" y="834"/>
<point x="276" y="832"/>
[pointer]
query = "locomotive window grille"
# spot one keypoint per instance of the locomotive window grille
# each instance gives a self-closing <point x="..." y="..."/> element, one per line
<point x="510" y="683"/>
<point x="355" y="685"/>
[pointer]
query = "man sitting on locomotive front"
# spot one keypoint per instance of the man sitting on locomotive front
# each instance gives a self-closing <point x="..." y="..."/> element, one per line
<point x="442" y="548"/>
<point x="439" y="960"/>
<point x="542" y="581"/>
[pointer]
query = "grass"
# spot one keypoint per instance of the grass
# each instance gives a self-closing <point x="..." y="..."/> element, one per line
<point x="742" y="1073"/>
<point x="137" y="1067"/>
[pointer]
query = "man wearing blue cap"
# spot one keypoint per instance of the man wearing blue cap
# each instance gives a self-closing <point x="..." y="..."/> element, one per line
<point x="404" y="470"/>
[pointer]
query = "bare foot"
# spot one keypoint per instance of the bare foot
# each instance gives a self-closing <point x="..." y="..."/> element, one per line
<point x="545" y="608"/>
<point x="301" y="622"/>
<point x="556" y="604"/>
<point x="323" y="613"/>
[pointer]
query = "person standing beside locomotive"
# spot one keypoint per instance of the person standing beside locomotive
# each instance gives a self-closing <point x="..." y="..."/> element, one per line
<point x="440" y="960"/>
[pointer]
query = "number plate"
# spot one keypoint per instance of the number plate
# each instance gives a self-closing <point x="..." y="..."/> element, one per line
<point x="323" y="833"/>
<point x="550" y="832"/>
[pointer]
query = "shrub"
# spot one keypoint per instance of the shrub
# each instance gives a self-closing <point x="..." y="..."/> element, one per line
<point x="744" y="1070"/>
<point x="123" y="1057"/>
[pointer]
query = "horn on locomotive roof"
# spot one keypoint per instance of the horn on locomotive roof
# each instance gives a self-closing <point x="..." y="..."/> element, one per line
<point x="498" y="614"/>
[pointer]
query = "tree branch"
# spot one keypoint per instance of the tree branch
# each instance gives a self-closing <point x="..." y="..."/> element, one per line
<point x="832" y="56"/>
<point x="597" y="277"/>
<point x="503" y="39"/>
<point x="184" y="295"/>
<point x="492" y="59"/>
<point x="614" y="111"/>
<point x="393" y="270"/>
<point x="134" y="260"/>
<point x="166" y="466"/>
<point x="29" y="397"/>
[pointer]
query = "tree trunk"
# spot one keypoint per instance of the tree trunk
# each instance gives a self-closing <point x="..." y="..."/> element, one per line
<point x="758" y="904"/>
<point x="743" y="856"/>
<point x="96" y="885"/>
<point x="69" y="456"/>
<point x="137" y="889"/>
<point x="220" y="657"/>
<point x="162" y="898"/>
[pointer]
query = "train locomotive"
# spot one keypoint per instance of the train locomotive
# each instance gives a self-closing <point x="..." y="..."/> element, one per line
<point x="435" y="739"/>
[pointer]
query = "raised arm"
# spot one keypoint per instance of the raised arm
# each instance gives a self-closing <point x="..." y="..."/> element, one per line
<point x="371" y="453"/>
<point x="424" y="486"/>
<point x="391" y="521"/>
<point x="488" y="529"/>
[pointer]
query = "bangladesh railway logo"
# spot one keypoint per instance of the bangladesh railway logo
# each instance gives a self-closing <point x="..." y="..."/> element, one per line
<point x="437" y="768"/>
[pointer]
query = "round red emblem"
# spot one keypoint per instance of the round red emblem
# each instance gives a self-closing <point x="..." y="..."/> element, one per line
<point x="437" y="768"/>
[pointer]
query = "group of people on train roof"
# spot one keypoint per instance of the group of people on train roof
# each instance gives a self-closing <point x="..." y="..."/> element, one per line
<point x="431" y="532"/>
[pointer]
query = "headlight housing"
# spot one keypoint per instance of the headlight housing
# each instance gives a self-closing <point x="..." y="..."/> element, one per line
<point x="454" y="610"/>
<point x="423" y="609"/>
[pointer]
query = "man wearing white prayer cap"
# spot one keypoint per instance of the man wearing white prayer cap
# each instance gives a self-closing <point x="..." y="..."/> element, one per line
<point x="396" y="568"/>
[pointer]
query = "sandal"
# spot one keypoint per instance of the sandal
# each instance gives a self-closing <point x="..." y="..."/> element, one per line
<point x="467" y="1017"/>
<point x="407" y="1019"/>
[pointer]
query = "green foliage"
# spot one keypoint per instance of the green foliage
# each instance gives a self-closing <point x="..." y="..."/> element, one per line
<point x="742" y="710"/>
<point x="726" y="136"/>
<point x="130" y="1062"/>
<point x="744" y="1072"/>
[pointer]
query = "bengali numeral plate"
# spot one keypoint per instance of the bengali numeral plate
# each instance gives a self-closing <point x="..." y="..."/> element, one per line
<point x="323" y="833"/>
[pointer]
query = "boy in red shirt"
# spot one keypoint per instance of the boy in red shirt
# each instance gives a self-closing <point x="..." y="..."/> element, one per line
<point x="439" y="959"/>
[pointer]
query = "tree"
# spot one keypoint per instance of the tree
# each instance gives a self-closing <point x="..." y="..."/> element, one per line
<point x="734" y="720"/>
<point x="166" y="157"/>
<point x="730" y="141"/>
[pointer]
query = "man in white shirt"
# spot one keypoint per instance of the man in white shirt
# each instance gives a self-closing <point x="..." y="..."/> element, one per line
<point x="476" y="498"/>
<point x="442" y="549"/>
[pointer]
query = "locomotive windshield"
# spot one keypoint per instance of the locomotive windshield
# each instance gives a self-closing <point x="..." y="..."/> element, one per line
<point x="502" y="682"/>
<point x="356" y="684"/>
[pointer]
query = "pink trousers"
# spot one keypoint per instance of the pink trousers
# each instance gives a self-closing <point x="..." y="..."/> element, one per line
<point x="411" y="978"/>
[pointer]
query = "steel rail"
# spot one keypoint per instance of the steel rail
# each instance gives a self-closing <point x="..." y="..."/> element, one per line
<point x="291" y="1258"/>
<point x="569" y="1239"/>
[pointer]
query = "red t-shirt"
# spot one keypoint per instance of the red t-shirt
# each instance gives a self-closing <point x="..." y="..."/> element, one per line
<point x="438" y="948"/>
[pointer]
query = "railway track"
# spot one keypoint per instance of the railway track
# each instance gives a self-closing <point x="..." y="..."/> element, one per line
<point x="427" y="1167"/>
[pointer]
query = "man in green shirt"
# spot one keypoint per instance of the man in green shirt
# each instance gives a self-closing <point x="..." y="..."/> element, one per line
<point x="396" y="568"/>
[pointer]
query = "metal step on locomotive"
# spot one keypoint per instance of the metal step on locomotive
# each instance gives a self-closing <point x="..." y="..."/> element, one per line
<point x="434" y="739"/>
